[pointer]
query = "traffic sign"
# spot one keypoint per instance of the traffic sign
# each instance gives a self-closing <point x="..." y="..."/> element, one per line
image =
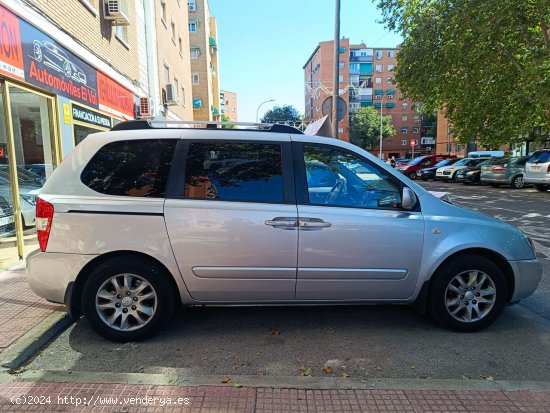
<point x="413" y="142"/>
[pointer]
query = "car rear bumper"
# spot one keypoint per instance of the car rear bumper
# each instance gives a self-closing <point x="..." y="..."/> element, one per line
<point x="527" y="275"/>
<point x="49" y="274"/>
<point x="533" y="180"/>
<point x="497" y="179"/>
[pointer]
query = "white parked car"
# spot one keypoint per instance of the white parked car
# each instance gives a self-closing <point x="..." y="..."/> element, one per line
<point x="537" y="170"/>
<point x="448" y="173"/>
<point x="137" y="219"/>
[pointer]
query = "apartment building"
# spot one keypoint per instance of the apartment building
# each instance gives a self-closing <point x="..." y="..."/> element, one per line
<point x="203" y="43"/>
<point x="229" y="105"/>
<point x="173" y="60"/>
<point x="365" y="80"/>
<point x="72" y="68"/>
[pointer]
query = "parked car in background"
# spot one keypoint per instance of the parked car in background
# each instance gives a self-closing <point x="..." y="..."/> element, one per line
<point x="448" y="173"/>
<point x="425" y="161"/>
<point x="537" y="170"/>
<point x="505" y="171"/>
<point x="29" y="186"/>
<point x="7" y="222"/>
<point x="401" y="161"/>
<point x="471" y="174"/>
<point x="429" y="173"/>
<point x="39" y="169"/>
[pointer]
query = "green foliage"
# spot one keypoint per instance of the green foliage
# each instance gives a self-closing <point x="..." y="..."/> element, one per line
<point x="281" y="114"/>
<point x="485" y="62"/>
<point x="225" y="118"/>
<point x="364" y="128"/>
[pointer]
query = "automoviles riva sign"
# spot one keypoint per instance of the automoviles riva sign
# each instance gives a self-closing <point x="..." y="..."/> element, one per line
<point x="28" y="54"/>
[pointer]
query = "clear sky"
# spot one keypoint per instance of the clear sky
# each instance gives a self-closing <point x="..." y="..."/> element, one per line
<point x="263" y="45"/>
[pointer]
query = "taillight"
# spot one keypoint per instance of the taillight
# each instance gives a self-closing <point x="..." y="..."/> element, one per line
<point x="44" y="218"/>
<point x="498" y="169"/>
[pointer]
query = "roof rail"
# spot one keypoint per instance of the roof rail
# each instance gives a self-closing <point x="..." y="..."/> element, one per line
<point x="192" y="124"/>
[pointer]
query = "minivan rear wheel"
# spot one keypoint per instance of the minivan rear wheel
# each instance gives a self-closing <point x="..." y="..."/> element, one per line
<point x="468" y="293"/>
<point x="127" y="300"/>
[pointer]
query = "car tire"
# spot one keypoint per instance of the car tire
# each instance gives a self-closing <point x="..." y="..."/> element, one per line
<point x="495" y="185"/>
<point x="152" y="303"/>
<point x="541" y="187"/>
<point x="518" y="182"/>
<point x="453" y="177"/>
<point x="413" y="175"/>
<point x="457" y="289"/>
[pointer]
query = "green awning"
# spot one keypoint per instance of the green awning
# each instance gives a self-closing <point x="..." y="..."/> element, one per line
<point x="366" y="104"/>
<point x="342" y="50"/>
<point x="391" y="92"/>
<point x="197" y="103"/>
<point x="390" y="105"/>
<point x="215" y="111"/>
<point x="378" y="105"/>
<point x="378" y="92"/>
<point x="212" y="41"/>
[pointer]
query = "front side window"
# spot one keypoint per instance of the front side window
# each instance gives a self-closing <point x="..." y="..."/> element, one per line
<point x="341" y="179"/>
<point x="247" y="172"/>
<point x="131" y="168"/>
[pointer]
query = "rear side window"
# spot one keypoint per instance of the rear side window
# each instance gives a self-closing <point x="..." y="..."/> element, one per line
<point x="131" y="168"/>
<point x="249" y="172"/>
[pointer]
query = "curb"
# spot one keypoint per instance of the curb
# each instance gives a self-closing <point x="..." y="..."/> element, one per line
<point x="33" y="340"/>
<point x="307" y="383"/>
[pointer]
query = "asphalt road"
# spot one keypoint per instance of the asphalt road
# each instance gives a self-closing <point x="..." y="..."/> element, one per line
<point x="360" y="341"/>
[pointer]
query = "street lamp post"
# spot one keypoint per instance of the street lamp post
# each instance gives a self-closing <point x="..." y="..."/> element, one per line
<point x="260" y="105"/>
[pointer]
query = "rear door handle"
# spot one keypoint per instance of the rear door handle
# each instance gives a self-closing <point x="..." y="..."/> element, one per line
<point x="313" y="223"/>
<point x="283" y="222"/>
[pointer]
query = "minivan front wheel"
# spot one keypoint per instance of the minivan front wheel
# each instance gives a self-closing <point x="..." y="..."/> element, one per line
<point x="127" y="300"/>
<point x="468" y="293"/>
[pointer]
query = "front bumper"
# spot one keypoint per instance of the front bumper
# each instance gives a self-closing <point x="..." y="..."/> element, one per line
<point x="49" y="274"/>
<point x="467" y="178"/>
<point x="527" y="275"/>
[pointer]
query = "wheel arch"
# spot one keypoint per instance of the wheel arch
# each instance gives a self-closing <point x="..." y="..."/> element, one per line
<point x="74" y="292"/>
<point x="423" y="297"/>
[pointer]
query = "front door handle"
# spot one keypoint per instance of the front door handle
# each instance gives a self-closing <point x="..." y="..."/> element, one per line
<point x="283" y="222"/>
<point x="313" y="223"/>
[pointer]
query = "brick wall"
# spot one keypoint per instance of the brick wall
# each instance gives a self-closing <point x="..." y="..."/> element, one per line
<point x="96" y="33"/>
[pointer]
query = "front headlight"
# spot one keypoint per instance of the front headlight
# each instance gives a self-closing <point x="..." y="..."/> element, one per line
<point x="31" y="199"/>
<point x="470" y="173"/>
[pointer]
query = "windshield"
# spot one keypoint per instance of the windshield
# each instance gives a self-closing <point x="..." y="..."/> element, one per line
<point x="444" y="162"/>
<point x="463" y="162"/>
<point x="416" y="161"/>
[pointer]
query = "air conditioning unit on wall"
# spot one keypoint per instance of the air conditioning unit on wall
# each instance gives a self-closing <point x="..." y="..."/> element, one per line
<point x="114" y="12"/>
<point x="170" y="95"/>
<point x="145" y="107"/>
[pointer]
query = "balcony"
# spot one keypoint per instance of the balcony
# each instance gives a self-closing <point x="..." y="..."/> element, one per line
<point x="361" y="58"/>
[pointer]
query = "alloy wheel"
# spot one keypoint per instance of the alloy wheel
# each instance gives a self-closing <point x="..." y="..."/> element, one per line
<point x="470" y="296"/>
<point x="126" y="302"/>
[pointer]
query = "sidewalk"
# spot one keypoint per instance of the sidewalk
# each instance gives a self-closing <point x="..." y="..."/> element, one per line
<point x="88" y="397"/>
<point x="20" y="308"/>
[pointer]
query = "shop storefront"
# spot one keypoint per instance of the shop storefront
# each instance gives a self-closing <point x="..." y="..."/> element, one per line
<point x="50" y="100"/>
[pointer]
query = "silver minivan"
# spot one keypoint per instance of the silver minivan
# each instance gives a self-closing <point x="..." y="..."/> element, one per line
<point x="147" y="215"/>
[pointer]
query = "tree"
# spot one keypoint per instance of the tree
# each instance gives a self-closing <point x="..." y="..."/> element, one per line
<point x="225" y="118"/>
<point x="364" y="128"/>
<point x="485" y="62"/>
<point x="282" y="114"/>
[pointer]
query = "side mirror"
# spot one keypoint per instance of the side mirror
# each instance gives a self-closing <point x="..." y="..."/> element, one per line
<point x="409" y="199"/>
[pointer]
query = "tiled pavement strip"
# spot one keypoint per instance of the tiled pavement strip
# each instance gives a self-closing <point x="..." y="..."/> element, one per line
<point x="21" y="310"/>
<point x="149" y="398"/>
